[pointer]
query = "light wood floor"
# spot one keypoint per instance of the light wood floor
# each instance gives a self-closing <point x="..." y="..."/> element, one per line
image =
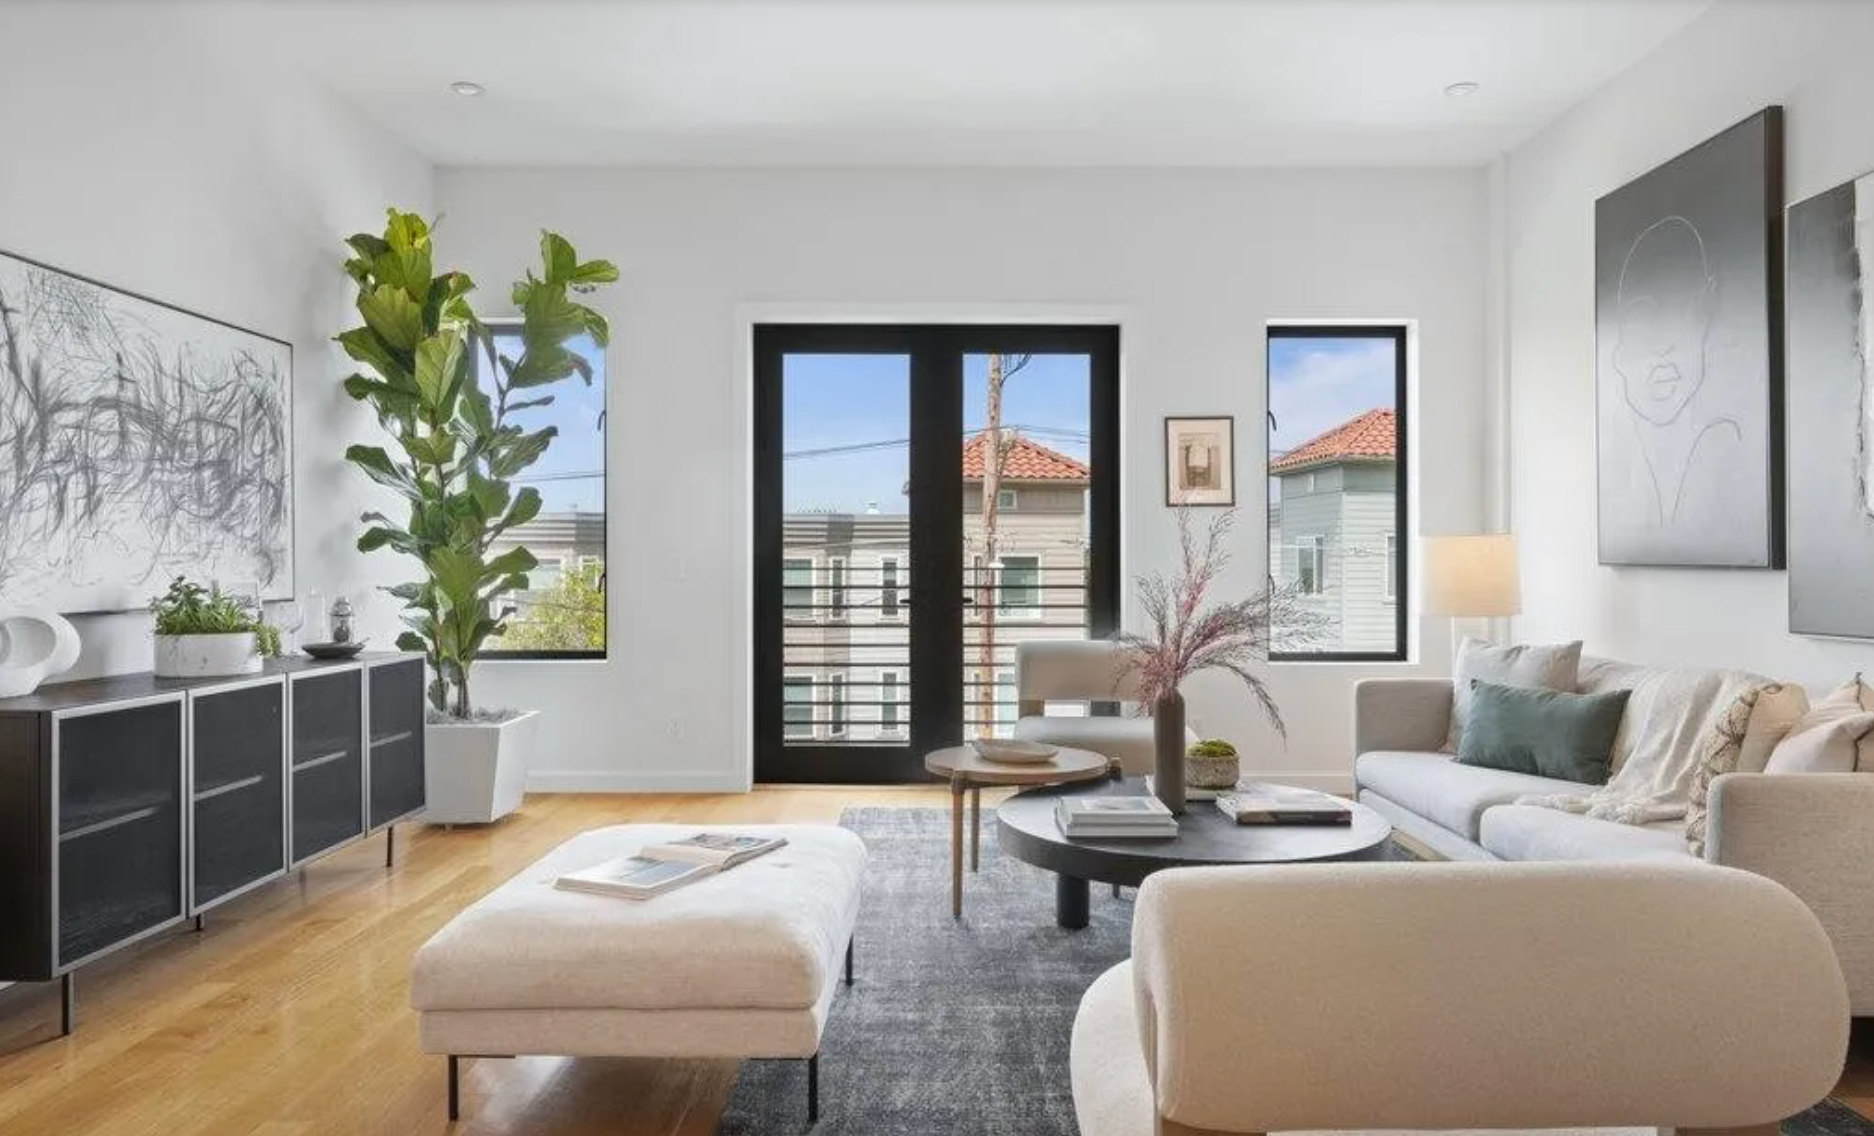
<point x="290" y="1016"/>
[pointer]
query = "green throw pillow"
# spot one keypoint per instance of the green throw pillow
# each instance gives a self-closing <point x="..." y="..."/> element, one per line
<point x="1544" y="732"/>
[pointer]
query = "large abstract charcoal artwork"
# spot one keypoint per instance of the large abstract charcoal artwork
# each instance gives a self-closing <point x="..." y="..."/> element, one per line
<point x="1831" y="412"/>
<point x="1688" y="370"/>
<point x="137" y="442"/>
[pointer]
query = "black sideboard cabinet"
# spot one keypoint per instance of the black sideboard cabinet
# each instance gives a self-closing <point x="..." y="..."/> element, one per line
<point x="131" y="804"/>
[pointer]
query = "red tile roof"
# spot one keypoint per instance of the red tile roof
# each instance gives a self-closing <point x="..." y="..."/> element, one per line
<point x="1022" y="460"/>
<point x="1366" y="438"/>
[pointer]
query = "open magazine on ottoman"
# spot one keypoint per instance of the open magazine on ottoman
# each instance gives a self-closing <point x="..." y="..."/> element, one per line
<point x="665" y="867"/>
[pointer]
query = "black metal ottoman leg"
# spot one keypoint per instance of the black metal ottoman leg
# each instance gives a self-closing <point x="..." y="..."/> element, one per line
<point x="68" y="1003"/>
<point x="455" y="1095"/>
<point x="849" y="943"/>
<point x="813" y="1089"/>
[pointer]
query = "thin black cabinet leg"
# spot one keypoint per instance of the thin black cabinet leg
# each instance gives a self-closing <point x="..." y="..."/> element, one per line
<point x="813" y="1089"/>
<point x="455" y="1092"/>
<point x="849" y="943"/>
<point x="68" y="1003"/>
<point x="201" y="924"/>
<point x="390" y="845"/>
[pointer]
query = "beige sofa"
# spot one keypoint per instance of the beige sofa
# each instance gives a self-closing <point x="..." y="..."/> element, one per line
<point x="1813" y="833"/>
<point x="1082" y="672"/>
<point x="1460" y="996"/>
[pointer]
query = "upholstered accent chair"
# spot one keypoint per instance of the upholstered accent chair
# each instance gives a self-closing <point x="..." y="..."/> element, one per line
<point x="1087" y="672"/>
<point x="1461" y="996"/>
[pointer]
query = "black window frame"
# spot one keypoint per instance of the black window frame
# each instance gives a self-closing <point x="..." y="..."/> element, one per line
<point x="511" y="328"/>
<point x="1397" y="335"/>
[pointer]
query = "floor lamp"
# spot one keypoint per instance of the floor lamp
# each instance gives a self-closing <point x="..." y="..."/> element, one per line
<point x="1472" y="580"/>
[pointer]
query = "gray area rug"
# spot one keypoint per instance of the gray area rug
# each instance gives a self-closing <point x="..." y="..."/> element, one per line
<point x="955" y="1028"/>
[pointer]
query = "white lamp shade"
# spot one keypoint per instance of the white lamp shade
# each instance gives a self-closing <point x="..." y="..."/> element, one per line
<point x="1472" y="576"/>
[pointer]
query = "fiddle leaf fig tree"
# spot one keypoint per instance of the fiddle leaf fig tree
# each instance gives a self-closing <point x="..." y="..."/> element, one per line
<point x="457" y="448"/>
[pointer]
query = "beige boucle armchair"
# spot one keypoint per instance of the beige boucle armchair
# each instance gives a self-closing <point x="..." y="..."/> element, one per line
<point x="1083" y="671"/>
<point x="1461" y="996"/>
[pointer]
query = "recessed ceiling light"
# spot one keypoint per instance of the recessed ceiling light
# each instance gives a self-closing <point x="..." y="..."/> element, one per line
<point x="467" y="89"/>
<point x="1462" y="88"/>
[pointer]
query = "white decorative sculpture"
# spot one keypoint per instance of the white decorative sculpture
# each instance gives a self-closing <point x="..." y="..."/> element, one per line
<point x="34" y="646"/>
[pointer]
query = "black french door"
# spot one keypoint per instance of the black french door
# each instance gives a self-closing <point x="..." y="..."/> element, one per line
<point x="926" y="498"/>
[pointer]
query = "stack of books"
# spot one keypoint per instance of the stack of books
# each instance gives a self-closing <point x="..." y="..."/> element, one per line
<point x="1257" y="802"/>
<point x="1104" y="818"/>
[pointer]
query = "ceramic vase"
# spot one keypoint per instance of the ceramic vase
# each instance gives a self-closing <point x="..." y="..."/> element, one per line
<point x="1168" y="750"/>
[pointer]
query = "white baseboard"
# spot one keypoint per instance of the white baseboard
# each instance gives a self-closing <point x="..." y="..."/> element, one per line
<point x="547" y="781"/>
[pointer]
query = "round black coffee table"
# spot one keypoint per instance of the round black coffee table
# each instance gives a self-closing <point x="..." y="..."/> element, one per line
<point x="1206" y="838"/>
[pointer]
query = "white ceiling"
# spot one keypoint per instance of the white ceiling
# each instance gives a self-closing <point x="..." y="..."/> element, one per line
<point x="962" y="82"/>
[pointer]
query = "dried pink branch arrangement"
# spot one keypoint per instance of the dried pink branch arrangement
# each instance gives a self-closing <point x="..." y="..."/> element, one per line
<point x="1188" y="636"/>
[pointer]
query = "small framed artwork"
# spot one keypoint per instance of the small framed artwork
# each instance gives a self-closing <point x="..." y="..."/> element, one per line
<point x="1200" y="461"/>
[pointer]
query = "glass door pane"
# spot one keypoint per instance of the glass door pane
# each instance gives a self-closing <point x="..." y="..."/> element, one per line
<point x="845" y="447"/>
<point x="1027" y="481"/>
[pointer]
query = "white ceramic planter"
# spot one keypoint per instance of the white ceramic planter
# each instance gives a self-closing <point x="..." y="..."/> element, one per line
<point x="477" y="772"/>
<point x="200" y="656"/>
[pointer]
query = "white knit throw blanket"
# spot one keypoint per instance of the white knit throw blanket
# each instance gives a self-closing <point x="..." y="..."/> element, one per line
<point x="1656" y="752"/>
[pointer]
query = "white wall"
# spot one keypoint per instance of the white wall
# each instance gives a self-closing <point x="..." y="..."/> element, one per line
<point x="139" y="153"/>
<point x="1810" y="56"/>
<point x="1191" y="263"/>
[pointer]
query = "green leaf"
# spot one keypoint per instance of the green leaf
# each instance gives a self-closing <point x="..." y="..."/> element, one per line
<point x="377" y="464"/>
<point x="595" y="272"/>
<point x="363" y="345"/>
<point x="368" y="246"/>
<point x="433" y="449"/>
<point x="557" y="255"/>
<point x="379" y="536"/>
<point x="477" y="409"/>
<point x="457" y="574"/>
<point x="530" y="403"/>
<point x="511" y="562"/>
<point x="521" y="453"/>
<point x="410" y="641"/>
<point x="390" y="312"/>
<point x="526" y="508"/>
<point x="438" y="367"/>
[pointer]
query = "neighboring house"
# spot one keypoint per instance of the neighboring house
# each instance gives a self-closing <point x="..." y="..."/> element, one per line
<point x="846" y="580"/>
<point x="559" y="541"/>
<point x="1331" y="530"/>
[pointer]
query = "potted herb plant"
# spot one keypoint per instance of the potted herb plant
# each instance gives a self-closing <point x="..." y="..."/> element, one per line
<point x="456" y="457"/>
<point x="1210" y="764"/>
<point x="203" y="631"/>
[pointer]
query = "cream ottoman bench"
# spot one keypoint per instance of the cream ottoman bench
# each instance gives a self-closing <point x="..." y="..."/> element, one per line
<point x="737" y="965"/>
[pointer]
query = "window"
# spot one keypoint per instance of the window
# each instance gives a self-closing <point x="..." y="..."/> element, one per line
<point x="797" y="706"/>
<point x="797" y="587"/>
<point x="888" y="702"/>
<point x="836" y="705"/>
<point x="1336" y="479"/>
<point x="1005" y="499"/>
<point x="1392" y="566"/>
<point x="1021" y="584"/>
<point x="836" y="588"/>
<point x="1311" y="566"/>
<point x="561" y="613"/>
<point x="888" y="588"/>
<point x="1005" y="704"/>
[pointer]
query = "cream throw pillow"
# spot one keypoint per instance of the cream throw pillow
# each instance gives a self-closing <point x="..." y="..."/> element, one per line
<point x="1541" y="666"/>
<point x="1835" y="736"/>
<point x="1740" y="741"/>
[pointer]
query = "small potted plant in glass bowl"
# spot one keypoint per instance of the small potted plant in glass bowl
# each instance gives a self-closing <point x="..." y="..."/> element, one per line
<point x="1210" y="764"/>
<point x="202" y="632"/>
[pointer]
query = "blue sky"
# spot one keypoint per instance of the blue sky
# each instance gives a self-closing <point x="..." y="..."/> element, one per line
<point x="1317" y="384"/>
<point x="570" y="475"/>
<point x="837" y="401"/>
<point x="833" y="401"/>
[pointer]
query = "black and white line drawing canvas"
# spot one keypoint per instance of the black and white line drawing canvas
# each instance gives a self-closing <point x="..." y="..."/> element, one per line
<point x="1688" y="371"/>
<point x="137" y="442"/>
<point x="1831" y="412"/>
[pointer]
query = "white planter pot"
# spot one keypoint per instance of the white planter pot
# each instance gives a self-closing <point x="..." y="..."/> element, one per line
<point x="200" y="656"/>
<point x="477" y="772"/>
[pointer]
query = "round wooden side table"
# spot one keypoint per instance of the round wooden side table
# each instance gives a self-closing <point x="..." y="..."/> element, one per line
<point x="968" y="772"/>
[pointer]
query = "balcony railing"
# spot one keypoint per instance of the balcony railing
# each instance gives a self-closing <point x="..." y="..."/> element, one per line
<point x="845" y="663"/>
